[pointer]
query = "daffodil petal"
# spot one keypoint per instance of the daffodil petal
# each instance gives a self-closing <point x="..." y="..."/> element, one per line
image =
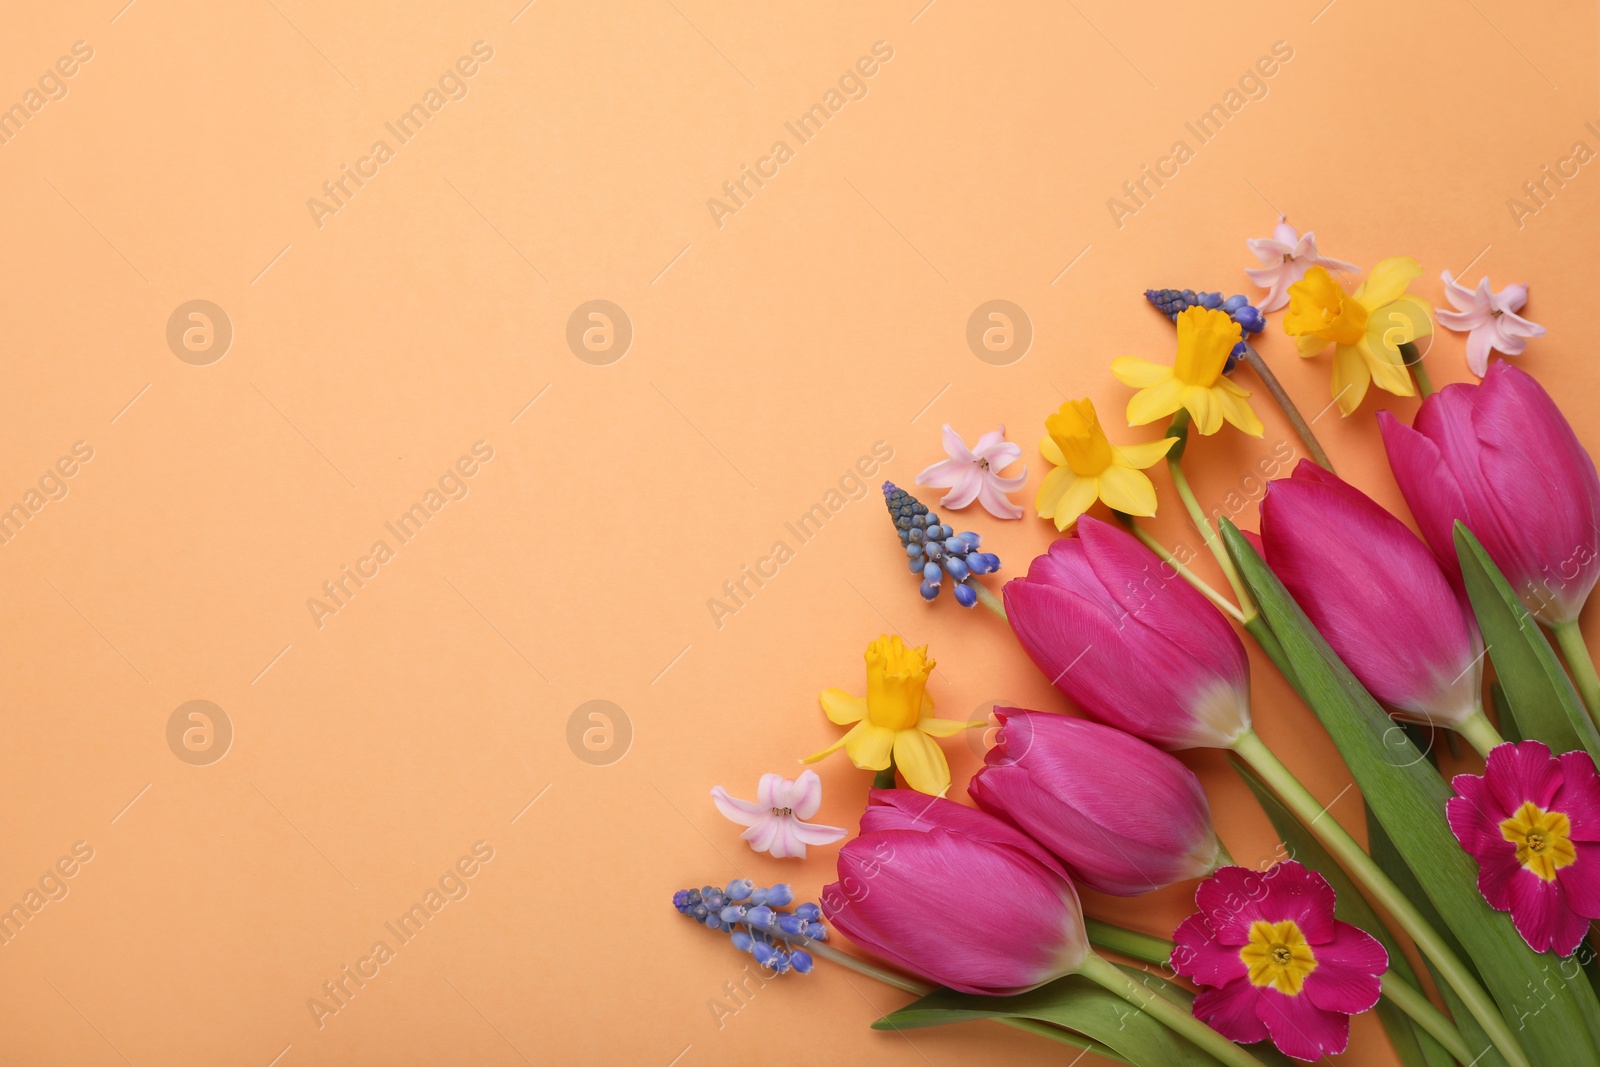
<point x="1155" y="402"/>
<point x="1387" y="369"/>
<point x="1350" y="378"/>
<point x="1310" y="345"/>
<point x="869" y="745"/>
<point x="1052" y="452"/>
<point x="842" y="708"/>
<point x="1144" y="454"/>
<point x="1237" y="410"/>
<point x="836" y="746"/>
<point x="1203" y="406"/>
<point x="1139" y="373"/>
<point x="1077" y="496"/>
<point x="922" y="762"/>
<point x="1387" y="281"/>
<point x="1128" y="491"/>
<point x="947" y="727"/>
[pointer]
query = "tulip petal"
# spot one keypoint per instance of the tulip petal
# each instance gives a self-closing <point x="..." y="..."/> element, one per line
<point x="841" y="707"/>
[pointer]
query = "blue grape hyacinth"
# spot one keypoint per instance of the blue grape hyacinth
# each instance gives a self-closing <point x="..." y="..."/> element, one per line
<point x="755" y="921"/>
<point x="935" y="550"/>
<point x="1173" y="302"/>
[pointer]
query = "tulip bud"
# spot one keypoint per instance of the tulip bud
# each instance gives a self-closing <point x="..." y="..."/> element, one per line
<point x="1123" y="816"/>
<point x="1376" y="593"/>
<point x="1132" y="643"/>
<point x="956" y="896"/>
<point x="1501" y="458"/>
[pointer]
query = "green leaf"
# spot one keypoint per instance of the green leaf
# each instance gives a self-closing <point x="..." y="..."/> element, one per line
<point x="1538" y="692"/>
<point x="1505" y="718"/>
<point x="1408" y="798"/>
<point x="1108" y="1024"/>
<point x="1388" y="857"/>
<point x="1414" y="1046"/>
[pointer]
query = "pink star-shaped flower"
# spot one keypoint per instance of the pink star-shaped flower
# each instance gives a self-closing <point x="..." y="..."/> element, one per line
<point x="974" y="473"/>
<point x="1286" y="256"/>
<point x="1490" y="317"/>
<point x="775" y="818"/>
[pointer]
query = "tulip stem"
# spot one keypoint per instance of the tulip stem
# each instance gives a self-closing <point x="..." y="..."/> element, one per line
<point x="1149" y="541"/>
<point x="1580" y="663"/>
<point x="988" y="599"/>
<point x="1405" y="997"/>
<point x="1106" y="974"/>
<point x="1315" y="817"/>
<point x="1180" y="428"/>
<point x="1413" y="360"/>
<point x="1480" y="733"/>
<point x="1146" y="948"/>
<point x="1297" y="420"/>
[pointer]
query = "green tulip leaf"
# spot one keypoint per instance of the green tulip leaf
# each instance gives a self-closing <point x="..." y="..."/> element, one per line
<point x="1538" y="693"/>
<point x="1407" y="797"/>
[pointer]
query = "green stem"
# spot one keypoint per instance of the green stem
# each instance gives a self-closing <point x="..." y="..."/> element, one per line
<point x="1145" y="948"/>
<point x="1413" y="360"/>
<point x="884" y="779"/>
<point x="1271" y="646"/>
<point x="1480" y="732"/>
<point x="988" y="599"/>
<point x="1405" y="997"/>
<point x="1297" y="420"/>
<point x="1383" y="890"/>
<point x="1103" y="973"/>
<point x="1149" y="541"/>
<point x="1180" y="428"/>
<point x="1580" y="663"/>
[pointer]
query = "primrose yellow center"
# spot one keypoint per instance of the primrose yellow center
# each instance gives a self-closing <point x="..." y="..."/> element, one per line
<point x="896" y="678"/>
<point x="1277" y="955"/>
<point x="1543" y="839"/>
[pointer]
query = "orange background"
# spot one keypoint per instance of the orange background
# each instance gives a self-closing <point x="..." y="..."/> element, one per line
<point x="770" y="352"/>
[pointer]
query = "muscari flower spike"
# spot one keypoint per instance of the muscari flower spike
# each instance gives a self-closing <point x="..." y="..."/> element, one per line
<point x="756" y="922"/>
<point x="935" y="550"/>
<point x="1173" y="302"/>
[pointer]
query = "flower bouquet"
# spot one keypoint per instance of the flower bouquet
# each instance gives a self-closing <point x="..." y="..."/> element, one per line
<point x="1389" y="638"/>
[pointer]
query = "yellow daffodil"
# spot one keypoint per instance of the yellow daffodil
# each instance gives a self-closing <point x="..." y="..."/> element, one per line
<point x="1088" y="467"/>
<point x="895" y="719"/>
<point x="1195" y="380"/>
<point x="1367" y="328"/>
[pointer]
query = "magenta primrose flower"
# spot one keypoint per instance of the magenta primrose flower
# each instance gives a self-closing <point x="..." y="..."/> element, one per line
<point x="1532" y="821"/>
<point x="956" y="896"/>
<point x="1500" y="457"/>
<point x="1275" y="962"/>
<point x="1365" y="579"/>
<point x="1130" y="642"/>
<point x="1124" y="817"/>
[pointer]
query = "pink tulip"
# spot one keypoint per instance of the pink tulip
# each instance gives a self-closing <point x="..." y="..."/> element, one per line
<point x="956" y="896"/>
<point x="1125" y="817"/>
<point x="1376" y="593"/>
<point x="1133" y="644"/>
<point x="1501" y="458"/>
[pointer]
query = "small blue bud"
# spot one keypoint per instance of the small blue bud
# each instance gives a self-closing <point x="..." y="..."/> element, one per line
<point x="958" y="569"/>
<point x="779" y="962"/>
<point x="809" y="912"/>
<point x="970" y="538"/>
<point x="816" y="931"/>
<point x="762" y="952"/>
<point x="992" y="560"/>
<point x="929" y="591"/>
<point x="759" y="917"/>
<point x="930" y="572"/>
<point x="708" y="891"/>
<point x="758" y="896"/>
<point x="801" y="962"/>
<point x="713" y="923"/>
<point x="716" y="902"/>
<point x="739" y="889"/>
<point x="1234" y="303"/>
<point x="680" y="900"/>
<point x="965" y="595"/>
<point x="780" y="895"/>
<point x="913" y="550"/>
<point x="699" y="912"/>
<point x="792" y="925"/>
<point x="694" y="896"/>
<point x="733" y="913"/>
<point x="743" y="941"/>
<point x="916" y="566"/>
<point x="978" y="563"/>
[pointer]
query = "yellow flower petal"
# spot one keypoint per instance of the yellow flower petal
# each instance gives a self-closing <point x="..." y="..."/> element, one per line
<point x="842" y="708"/>
<point x="1070" y="496"/>
<point x="1387" y="368"/>
<point x="1205" y="337"/>
<point x="1128" y="490"/>
<point x="1145" y="454"/>
<point x="1139" y="373"/>
<point x="1310" y="345"/>
<point x="1237" y="410"/>
<point x="1051" y="452"/>
<point x="869" y="746"/>
<point x="922" y="763"/>
<point x="947" y="727"/>
<point x="1313" y="303"/>
<point x="1203" y="407"/>
<point x="1156" y="402"/>
<point x="837" y="745"/>
<point x="1350" y="378"/>
<point x="1387" y="281"/>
